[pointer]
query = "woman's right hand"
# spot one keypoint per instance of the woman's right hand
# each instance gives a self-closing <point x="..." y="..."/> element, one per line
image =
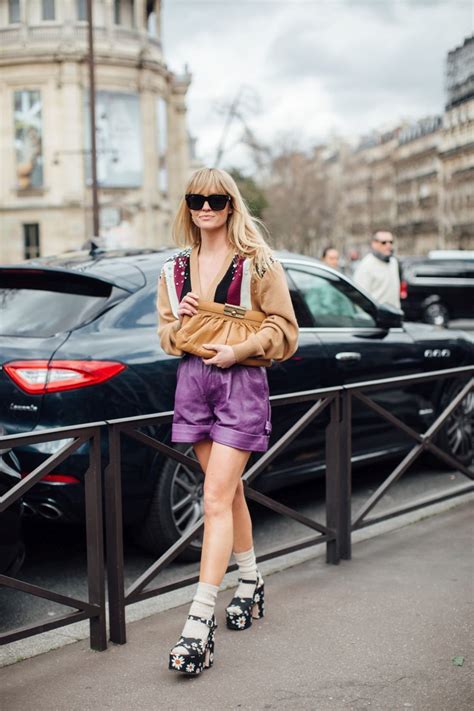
<point x="188" y="306"/>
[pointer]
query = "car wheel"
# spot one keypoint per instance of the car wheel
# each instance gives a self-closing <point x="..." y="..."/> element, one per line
<point x="456" y="437"/>
<point x="437" y="314"/>
<point x="176" y="505"/>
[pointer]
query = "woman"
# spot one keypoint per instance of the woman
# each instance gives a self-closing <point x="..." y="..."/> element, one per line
<point x="221" y="405"/>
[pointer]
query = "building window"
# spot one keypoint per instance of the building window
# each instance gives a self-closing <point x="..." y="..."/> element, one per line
<point x="151" y="24"/>
<point x="31" y="240"/>
<point x="48" y="9"/>
<point x="117" y="12"/>
<point x="13" y="11"/>
<point x="28" y="139"/>
<point x="81" y="9"/>
<point x="162" y="143"/>
<point x="119" y="141"/>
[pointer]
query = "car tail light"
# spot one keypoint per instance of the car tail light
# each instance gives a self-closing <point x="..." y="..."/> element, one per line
<point x="43" y="376"/>
<point x="403" y="290"/>
<point x="56" y="478"/>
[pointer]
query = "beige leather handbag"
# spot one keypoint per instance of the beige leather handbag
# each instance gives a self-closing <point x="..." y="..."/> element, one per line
<point x="219" y="323"/>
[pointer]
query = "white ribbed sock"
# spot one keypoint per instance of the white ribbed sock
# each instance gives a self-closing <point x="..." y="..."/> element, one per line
<point x="248" y="571"/>
<point x="203" y="604"/>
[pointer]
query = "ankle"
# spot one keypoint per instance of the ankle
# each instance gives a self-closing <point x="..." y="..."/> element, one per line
<point x="247" y="563"/>
<point x="204" y="600"/>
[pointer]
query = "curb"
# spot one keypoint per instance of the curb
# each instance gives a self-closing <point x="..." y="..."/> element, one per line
<point x="48" y="641"/>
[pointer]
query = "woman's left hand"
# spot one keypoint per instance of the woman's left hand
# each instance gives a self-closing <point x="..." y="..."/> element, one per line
<point x="224" y="357"/>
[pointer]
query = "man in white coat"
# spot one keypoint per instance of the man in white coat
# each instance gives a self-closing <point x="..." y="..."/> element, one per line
<point x="378" y="271"/>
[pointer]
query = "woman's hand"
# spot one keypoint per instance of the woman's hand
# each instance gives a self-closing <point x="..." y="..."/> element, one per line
<point x="188" y="306"/>
<point x="224" y="357"/>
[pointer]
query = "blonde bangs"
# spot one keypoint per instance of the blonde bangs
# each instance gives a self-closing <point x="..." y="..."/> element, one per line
<point x="206" y="182"/>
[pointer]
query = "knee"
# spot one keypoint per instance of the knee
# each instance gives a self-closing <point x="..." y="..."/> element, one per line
<point x="216" y="502"/>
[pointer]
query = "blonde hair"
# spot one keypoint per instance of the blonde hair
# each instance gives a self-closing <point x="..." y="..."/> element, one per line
<point x="244" y="232"/>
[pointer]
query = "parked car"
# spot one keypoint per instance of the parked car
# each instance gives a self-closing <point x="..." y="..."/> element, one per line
<point x="438" y="289"/>
<point x="12" y="550"/>
<point x="79" y="343"/>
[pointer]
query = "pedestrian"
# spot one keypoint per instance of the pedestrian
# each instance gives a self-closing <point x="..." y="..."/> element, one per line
<point x="378" y="272"/>
<point x="330" y="256"/>
<point x="222" y="400"/>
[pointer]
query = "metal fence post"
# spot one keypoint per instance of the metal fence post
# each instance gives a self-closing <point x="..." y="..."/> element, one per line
<point x="95" y="543"/>
<point x="345" y="494"/>
<point x="333" y="480"/>
<point x="114" y="539"/>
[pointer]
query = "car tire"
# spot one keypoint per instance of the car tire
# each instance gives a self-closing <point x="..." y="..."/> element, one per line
<point x="175" y="506"/>
<point x="436" y="314"/>
<point x="456" y="436"/>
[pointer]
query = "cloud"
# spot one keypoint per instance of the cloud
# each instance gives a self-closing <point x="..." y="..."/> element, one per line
<point x="317" y="65"/>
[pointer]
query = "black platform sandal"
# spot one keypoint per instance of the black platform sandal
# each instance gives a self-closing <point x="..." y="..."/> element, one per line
<point x="200" y="654"/>
<point x="242" y="610"/>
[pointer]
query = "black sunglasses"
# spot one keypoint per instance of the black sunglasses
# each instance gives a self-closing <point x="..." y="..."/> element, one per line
<point x="216" y="202"/>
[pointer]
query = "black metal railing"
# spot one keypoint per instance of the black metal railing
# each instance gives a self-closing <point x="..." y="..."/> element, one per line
<point x="424" y="443"/>
<point x="118" y="596"/>
<point x="92" y="609"/>
<point x="336" y="532"/>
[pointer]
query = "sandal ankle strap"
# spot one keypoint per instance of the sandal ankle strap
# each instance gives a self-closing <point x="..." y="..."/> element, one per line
<point x="251" y="582"/>
<point x="209" y="623"/>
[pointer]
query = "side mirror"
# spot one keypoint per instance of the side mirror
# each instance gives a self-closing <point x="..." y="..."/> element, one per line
<point x="389" y="316"/>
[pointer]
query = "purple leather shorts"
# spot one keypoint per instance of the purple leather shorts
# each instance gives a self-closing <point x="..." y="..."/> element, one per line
<point x="226" y="405"/>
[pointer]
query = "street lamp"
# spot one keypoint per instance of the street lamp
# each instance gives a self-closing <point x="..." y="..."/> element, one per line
<point x="95" y="199"/>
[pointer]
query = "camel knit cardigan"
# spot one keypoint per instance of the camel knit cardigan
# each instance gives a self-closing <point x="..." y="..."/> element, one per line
<point x="277" y="338"/>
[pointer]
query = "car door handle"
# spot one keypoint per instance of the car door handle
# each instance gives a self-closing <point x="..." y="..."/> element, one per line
<point x="348" y="356"/>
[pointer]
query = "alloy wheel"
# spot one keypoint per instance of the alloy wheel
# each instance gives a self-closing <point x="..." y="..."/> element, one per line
<point x="459" y="428"/>
<point x="186" y="497"/>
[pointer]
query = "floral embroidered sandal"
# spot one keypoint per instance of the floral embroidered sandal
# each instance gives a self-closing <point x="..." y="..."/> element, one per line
<point x="200" y="653"/>
<point x="242" y="610"/>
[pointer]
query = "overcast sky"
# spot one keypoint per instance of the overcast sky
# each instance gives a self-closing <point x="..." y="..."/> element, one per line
<point x="310" y="67"/>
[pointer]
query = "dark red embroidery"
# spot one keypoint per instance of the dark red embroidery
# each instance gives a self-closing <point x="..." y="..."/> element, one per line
<point x="181" y="269"/>
<point x="233" y="292"/>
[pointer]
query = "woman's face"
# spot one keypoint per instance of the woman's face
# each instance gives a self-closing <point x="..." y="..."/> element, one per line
<point x="208" y="219"/>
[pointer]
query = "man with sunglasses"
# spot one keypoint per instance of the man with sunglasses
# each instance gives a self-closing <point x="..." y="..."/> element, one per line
<point x="378" y="272"/>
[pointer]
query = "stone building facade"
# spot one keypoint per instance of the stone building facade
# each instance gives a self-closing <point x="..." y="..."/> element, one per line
<point x="369" y="193"/>
<point x="418" y="180"/>
<point x="142" y="141"/>
<point x="457" y="148"/>
<point x="418" y="172"/>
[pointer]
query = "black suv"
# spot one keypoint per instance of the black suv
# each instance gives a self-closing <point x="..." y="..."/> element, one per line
<point x="439" y="289"/>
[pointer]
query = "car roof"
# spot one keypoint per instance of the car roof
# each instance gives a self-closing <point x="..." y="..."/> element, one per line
<point x="126" y="268"/>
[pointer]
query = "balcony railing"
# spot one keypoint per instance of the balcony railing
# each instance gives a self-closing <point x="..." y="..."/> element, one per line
<point x="77" y="32"/>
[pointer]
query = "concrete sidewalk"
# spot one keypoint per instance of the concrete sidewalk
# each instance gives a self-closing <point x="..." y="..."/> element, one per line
<point x="377" y="632"/>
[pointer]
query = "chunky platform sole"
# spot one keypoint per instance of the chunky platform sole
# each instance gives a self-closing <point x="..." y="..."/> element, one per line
<point x="247" y="609"/>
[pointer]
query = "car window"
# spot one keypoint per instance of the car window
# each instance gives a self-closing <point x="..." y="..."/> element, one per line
<point x="444" y="271"/>
<point x="39" y="313"/>
<point x="332" y="302"/>
<point x="303" y="316"/>
<point x="139" y="311"/>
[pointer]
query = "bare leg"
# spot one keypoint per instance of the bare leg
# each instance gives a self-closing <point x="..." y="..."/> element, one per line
<point x="242" y="523"/>
<point x="243" y="539"/>
<point x="223" y="472"/>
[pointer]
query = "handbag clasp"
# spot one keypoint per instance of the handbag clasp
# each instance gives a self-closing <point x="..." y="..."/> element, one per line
<point x="236" y="311"/>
